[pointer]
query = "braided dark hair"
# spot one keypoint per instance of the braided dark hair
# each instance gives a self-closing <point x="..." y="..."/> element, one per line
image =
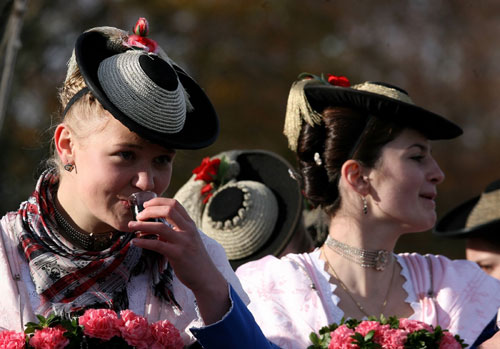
<point x="344" y="134"/>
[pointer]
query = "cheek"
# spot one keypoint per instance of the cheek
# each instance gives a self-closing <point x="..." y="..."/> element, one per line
<point x="162" y="181"/>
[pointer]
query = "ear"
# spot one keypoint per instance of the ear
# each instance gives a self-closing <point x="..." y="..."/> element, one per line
<point x="353" y="174"/>
<point x="64" y="143"/>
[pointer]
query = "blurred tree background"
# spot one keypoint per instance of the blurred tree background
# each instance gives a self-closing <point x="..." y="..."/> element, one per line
<point x="246" y="55"/>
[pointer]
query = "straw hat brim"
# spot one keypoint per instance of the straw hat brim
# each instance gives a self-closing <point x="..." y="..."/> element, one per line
<point x="201" y="126"/>
<point x="272" y="170"/>
<point x="453" y="223"/>
<point x="431" y="125"/>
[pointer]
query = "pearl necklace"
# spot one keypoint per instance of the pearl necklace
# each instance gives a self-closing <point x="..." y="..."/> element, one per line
<point x="89" y="242"/>
<point x="377" y="259"/>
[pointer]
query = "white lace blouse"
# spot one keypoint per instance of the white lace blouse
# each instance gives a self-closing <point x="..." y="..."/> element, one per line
<point x="288" y="309"/>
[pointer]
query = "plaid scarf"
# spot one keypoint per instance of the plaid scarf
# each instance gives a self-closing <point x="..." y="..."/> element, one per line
<point x="69" y="279"/>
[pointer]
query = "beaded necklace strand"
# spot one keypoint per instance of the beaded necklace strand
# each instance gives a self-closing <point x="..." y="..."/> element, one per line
<point x="344" y="287"/>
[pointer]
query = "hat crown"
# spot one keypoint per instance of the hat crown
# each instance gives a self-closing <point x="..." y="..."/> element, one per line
<point x="242" y="219"/>
<point x="146" y="89"/>
<point x="226" y="204"/>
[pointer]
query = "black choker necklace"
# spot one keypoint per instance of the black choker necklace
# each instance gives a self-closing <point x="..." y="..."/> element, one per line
<point x="89" y="242"/>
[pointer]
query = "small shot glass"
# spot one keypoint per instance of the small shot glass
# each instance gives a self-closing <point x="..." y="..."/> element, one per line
<point x="137" y="200"/>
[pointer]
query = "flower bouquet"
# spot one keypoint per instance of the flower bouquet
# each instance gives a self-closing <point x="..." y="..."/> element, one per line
<point x="391" y="333"/>
<point x="96" y="328"/>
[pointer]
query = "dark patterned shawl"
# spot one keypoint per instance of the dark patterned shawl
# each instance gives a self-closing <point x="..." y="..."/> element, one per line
<point x="69" y="279"/>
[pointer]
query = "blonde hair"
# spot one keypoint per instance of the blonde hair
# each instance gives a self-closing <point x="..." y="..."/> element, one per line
<point x="82" y="116"/>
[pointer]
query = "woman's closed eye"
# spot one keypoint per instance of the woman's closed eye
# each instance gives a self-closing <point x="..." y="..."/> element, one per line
<point x="418" y="158"/>
<point x="126" y="155"/>
<point x="485" y="266"/>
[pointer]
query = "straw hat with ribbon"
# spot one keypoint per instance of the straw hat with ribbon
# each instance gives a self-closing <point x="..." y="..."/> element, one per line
<point x="311" y="94"/>
<point x="246" y="200"/>
<point x="475" y="217"/>
<point x="135" y="80"/>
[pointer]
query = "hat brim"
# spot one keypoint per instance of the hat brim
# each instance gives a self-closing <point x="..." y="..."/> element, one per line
<point x="201" y="127"/>
<point x="431" y="125"/>
<point x="453" y="223"/>
<point x="272" y="170"/>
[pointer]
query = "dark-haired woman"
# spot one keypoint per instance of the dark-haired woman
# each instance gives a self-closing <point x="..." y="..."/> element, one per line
<point x="364" y="156"/>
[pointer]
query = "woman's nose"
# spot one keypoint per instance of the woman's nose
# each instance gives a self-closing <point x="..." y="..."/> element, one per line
<point x="144" y="180"/>
<point x="436" y="174"/>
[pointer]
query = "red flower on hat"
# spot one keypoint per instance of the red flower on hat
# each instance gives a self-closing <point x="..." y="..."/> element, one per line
<point x="139" y="39"/>
<point x="212" y="172"/>
<point x="207" y="170"/>
<point x="338" y="80"/>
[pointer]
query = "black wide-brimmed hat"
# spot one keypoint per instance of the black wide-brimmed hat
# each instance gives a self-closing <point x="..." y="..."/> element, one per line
<point x="144" y="89"/>
<point x="311" y="94"/>
<point x="479" y="216"/>
<point x="246" y="200"/>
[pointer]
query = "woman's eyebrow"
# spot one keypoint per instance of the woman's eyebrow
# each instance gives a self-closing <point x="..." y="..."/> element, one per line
<point x="420" y="146"/>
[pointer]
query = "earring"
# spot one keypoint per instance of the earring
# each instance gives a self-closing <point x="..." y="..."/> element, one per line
<point x="317" y="159"/>
<point x="69" y="167"/>
<point x="365" y="205"/>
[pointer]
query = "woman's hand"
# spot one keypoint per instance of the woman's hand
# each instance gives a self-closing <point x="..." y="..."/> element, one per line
<point x="181" y="244"/>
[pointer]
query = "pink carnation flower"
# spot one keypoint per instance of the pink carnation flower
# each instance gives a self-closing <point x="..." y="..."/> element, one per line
<point x="49" y="338"/>
<point x="414" y="325"/>
<point x="392" y="338"/>
<point x="135" y="329"/>
<point x="366" y="326"/>
<point x="341" y="338"/>
<point x="448" y="341"/>
<point x="166" y="335"/>
<point x="12" y="340"/>
<point x="100" y="323"/>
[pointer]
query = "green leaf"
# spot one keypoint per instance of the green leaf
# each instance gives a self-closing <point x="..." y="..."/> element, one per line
<point x="369" y="335"/>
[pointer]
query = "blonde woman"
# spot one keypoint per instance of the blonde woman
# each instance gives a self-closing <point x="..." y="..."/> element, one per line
<point x="126" y="107"/>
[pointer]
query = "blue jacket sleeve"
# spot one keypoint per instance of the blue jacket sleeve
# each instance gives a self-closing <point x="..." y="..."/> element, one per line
<point x="237" y="329"/>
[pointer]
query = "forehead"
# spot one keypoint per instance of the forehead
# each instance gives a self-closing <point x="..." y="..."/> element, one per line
<point x="111" y="132"/>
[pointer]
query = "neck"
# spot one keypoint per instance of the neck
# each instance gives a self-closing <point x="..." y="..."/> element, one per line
<point x="364" y="233"/>
<point x="74" y="212"/>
